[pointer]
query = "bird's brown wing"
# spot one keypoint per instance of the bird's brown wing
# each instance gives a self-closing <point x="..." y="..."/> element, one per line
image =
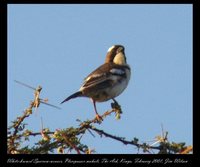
<point x="102" y="75"/>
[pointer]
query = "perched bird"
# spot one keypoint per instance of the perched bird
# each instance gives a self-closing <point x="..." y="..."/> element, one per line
<point x="107" y="81"/>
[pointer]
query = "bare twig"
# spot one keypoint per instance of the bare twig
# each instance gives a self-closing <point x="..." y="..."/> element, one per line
<point x="122" y="139"/>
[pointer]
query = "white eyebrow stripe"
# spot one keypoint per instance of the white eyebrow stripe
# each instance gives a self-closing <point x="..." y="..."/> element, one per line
<point x="117" y="71"/>
<point x="111" y="48"/>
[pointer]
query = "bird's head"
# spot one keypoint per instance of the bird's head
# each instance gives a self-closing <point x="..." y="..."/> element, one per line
<point x="116" y="55"/>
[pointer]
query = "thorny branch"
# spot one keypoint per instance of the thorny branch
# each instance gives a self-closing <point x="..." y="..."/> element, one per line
<point x="122" y="139"/>
<point x="70" y="139"/>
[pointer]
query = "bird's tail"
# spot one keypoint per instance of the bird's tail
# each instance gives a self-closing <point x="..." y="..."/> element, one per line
<point x="77" y="94"/>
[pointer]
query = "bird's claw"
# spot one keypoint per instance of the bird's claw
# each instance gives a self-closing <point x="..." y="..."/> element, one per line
<point x="98" y="118"/>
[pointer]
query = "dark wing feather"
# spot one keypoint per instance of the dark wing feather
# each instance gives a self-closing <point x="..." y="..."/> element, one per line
<point x="97" y="76"/>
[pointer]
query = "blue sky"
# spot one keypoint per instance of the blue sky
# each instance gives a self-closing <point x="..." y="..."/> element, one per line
<point x="57" y="46"/>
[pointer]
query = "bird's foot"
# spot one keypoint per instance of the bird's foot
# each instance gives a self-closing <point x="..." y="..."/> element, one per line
<point x="117" y="108"/>
<point x="98" y="118"/>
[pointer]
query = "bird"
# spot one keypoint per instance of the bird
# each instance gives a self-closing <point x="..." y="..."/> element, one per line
<point x="107" y="81"/>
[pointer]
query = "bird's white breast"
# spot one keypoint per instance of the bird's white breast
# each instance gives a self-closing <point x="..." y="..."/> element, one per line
<point x="119" y="85"/>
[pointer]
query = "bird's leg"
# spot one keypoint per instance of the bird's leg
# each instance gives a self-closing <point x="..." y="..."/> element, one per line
<point x="114" y="100"/>
<point x="98" y="117"/>
<point x="115" y="104"/>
